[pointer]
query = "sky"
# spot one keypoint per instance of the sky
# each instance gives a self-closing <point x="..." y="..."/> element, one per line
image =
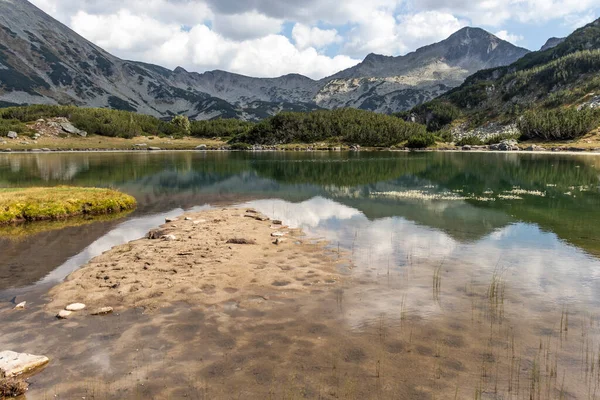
<point x="316" y="38"/>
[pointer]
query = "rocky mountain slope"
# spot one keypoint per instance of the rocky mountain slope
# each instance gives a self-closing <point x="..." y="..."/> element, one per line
<point x="565" y="76"/>
<point x="43" y="61"/>
<point x="390" y="84"/>
<point x="551" y="43"/>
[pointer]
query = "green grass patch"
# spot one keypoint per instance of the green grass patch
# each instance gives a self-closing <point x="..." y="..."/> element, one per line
<point x="57" y="203"/>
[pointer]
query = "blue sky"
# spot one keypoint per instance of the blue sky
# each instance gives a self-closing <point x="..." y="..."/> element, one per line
<point x="313" y="37"/>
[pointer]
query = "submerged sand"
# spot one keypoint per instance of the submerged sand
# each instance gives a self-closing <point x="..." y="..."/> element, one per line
<point x="201" y="258"/>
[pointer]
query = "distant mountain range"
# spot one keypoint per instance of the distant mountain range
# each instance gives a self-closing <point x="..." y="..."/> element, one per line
<point x="43" y="61"/>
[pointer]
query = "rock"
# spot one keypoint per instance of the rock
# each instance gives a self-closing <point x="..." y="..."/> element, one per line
<point x="12" y="135"/>
<point x="168" y="220"/>
<point x="169" y="238"/>
<point x="188" y="219"/>
<point x="278" y="241"/>
<point x="258" y="217"/>
<point x="69" y="128"/>
<point x="63" y="314"/>
<point x="103" y="311"/>
<point x="201" y="147"/>
<point x="200" y="221"/>
<point x="20" y="306"/>
<point x="140" y="145"/>
<point x="155" y="234"/>
<point x="241" y="241"/>
<point x="466" y="147"/>
<point x="277" y="222"/>
<point x="154" y="148"/>
<point x="75" y="307"/>
<point x="278" y="234"/>
<point x="14" y="364"/>
<point x="45" y="149"/>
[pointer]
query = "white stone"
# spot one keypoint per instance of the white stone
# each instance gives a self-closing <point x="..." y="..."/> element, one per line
<point x="278" y="234"/>
<point x="21" y="306"/>
<point x="169" y="238"/>
<point x="167" y="220"/>
<point x="75" y="307"/>
<point x="13" y="364"/>
<point x="188" y="219"/>
<point x="63" y="314"/>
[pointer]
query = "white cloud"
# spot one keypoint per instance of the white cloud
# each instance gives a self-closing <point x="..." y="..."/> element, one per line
<point x="305" y="36"/>
<point x="509" y="37"/>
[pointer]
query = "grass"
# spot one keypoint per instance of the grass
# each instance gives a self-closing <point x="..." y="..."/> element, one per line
<point x="57" y="203"/>
<point x="96" y="142"/>
<point x="10" y="387"/>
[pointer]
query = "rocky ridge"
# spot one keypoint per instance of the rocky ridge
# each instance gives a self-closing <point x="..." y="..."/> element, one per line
<point x="45" y="62"/>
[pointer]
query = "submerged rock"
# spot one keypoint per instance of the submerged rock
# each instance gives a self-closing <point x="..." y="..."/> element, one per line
<point x="14" y="364"/>
<point x="103" y="311"/>
<point x="63" y="314"/>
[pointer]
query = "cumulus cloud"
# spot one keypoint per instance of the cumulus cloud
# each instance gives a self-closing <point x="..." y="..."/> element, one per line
<point x="509" y="37"/>
<point x="305" y="36"/>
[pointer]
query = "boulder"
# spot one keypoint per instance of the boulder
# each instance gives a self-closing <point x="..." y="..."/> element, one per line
<point x="82" y="133"/>
<point x="14" y="364"/>
<point x="466" y="147"/>
<point x="20" y="306"/>
<point x="201" y="147"/>
<point x="75" y="307"/>
<point x="12" y="135"/>
<point x="69" y="128"/>
<point x="154" y="148"/>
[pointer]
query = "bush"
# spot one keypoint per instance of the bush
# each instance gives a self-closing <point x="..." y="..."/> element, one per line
<point x="470" y="140"/>
<point x="436" y="114"/>
<point x="182" y="123"/>
<point x="559" y="124"/>
<point x="420" y="141"/>
<point x="349" y="126"/>
<point x="220" y="128"/>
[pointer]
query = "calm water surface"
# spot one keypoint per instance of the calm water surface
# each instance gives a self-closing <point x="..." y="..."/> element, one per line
<point x="442" y="237"/>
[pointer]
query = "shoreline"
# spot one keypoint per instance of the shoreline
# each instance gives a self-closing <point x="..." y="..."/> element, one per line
<point x="571" y="150"/>
<point x="204" y="258"/>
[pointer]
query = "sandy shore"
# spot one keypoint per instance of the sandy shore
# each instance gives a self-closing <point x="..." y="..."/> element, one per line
<point x="197" y="259"/>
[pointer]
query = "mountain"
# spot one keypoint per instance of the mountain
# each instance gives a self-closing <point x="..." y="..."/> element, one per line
<point x="391" y="84"/>
<point x="566" y="75"/>
<point x="43" y="61"/>
<point x="551" y="43"/>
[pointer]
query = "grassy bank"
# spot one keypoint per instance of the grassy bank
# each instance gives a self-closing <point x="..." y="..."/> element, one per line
<point x="44" y="204"/>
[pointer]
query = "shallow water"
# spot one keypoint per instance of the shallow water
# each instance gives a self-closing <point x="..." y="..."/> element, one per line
<point x="480" y="269"/>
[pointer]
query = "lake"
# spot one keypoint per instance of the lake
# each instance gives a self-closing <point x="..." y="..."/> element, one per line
<point x="474" y="275"/>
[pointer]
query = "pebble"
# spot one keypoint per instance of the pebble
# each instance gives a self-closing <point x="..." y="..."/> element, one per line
<point x="63" y="314"/>
<point x="278" y="234"/>
<point x="167" y="220"/>
<point x="75" y="307"/>
<point x="188" y="219"/>
<point x="20" y="306"/>
<point x="169" y="238"/>
<point x="278" y="241"/>
<point x="103" y="311"/>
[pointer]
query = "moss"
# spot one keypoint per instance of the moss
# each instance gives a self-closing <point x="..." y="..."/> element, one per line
<point x="43" y="204"/>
